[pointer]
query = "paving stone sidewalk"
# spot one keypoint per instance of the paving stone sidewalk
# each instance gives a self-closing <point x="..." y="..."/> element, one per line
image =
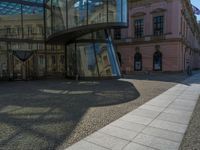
<point x="159" y="124"/>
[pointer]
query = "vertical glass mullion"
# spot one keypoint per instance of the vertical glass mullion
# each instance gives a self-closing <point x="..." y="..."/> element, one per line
<point x="87" y="7"/>
<point x="107" y="11"/>
<point x="67" y="14"/>
<point x="66" y="58"/>
<point x="51" y="17"/>
<point x="95" y="53"/>
<point x="122" y="11"/>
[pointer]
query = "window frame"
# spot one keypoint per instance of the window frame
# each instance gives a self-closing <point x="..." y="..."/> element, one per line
<point x="158" y="24"/>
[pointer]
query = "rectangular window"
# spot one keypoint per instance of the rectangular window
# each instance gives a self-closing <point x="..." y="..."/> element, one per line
<point x="139" y="28"/>
<point x="158" y="25"/>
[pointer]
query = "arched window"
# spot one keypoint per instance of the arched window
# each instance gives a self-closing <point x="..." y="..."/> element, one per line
<point x="157" y="61"/>
<point x="138" y="62"/>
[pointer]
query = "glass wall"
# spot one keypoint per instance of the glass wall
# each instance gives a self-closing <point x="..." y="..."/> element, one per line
<point x="3" y="60"/>
<point x="86" y="61"/>
<point x="58" y="15"/>
<point x="21" y="33"/>
<point x="77" y="13"/>
<point x="97" y="12"/>
<point x="33" y="24"/>
<point x="71" y="60"/>
<point x="92" y="57"/>
<point x="68" y="14"/>
<point x="48" y="18"/>
<point x="114" y="6"/>
<point x="10" y="20"/>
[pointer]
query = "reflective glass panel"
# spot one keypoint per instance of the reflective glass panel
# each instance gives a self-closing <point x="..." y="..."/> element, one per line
<point x="48" y="18"/>
<point x="114" y="10"/>
<point x="59" y="15"/>
<point x="86" y="61"/>
<point x="124" y="11"/>
<point x="77" y="13"/>
<point x="97" y="11"/>
<point x="71" y="60"/>
<point x="103" y="59"/>
<point x="32" y="23"/>
<point x="3" y="60"/>
<point x="10" y="20"/>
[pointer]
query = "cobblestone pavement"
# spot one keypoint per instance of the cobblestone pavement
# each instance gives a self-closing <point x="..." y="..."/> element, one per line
<point x="53" y="114"/>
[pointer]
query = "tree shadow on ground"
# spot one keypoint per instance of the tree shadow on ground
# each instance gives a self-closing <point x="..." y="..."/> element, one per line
<point x="43" y="114"/>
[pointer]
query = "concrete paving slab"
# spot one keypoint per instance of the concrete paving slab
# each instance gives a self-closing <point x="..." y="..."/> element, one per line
<point x="165" y="134"/>
<point x="182" y="119"/>
<point x="84" y="145"/>
<point x="153" y="108"/>
<point x="176" y="127"/>
<point x="188" y="97"/>
<point x="128" y="125"/>
<point x="107" y="141"/>
<point x="159" y="103"/>
<point x="173" y="92"/>
<point x="118" y="132"/>
<point x="179" y="107"/>
<point x="136" y="146"/>
<point x="145" y="113"/>
<point x="178" y="112"/>
<point x="136" y="119"/>
<point x="157" y="143"/>
<point x="183" y="102"/>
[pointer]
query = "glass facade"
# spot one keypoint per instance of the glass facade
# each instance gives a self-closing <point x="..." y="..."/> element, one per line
<point x="68" y="14"/>
<point x="25" y="25"/>
<point x="21" y="21"/>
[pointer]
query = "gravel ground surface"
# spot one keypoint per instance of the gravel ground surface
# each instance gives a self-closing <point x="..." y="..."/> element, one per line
<point x="53" y="114"/>
<point x="191" y="140"/>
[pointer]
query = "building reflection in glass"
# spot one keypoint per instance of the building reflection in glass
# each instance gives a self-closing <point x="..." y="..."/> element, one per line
<point x="93" y="57"/>
<point x="76" y="13"/>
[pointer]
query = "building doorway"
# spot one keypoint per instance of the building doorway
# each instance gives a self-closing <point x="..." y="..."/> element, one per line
<point x="138" y="62"/>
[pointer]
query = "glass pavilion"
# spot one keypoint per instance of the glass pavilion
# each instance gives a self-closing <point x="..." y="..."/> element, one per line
<point x="59" y="37"/>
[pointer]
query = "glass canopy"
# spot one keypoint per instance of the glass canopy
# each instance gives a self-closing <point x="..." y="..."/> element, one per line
<point x="7" y="8"/>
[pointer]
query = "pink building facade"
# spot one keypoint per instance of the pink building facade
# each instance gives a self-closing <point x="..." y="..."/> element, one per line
<point x="163" y="35"/>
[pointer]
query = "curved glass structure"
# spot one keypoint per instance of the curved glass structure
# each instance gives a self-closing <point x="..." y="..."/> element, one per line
<point x="72" y="16"/>
<point x="83" y="26"/>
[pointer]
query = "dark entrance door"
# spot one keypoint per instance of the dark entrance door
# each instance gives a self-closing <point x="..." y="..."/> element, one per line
<point x="138" y="62"/>
<point x="157" y="61"/>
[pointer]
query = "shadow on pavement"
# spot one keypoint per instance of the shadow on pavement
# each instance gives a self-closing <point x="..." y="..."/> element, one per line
<point x="43" y="114"/>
